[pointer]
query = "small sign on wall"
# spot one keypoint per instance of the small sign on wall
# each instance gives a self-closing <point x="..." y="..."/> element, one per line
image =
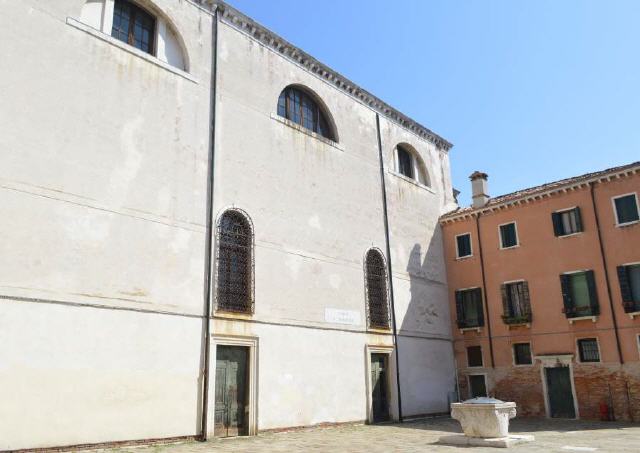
<point x="349" y="317"/>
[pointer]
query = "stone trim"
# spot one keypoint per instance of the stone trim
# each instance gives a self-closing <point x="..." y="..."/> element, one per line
<point x="266" y="37"/>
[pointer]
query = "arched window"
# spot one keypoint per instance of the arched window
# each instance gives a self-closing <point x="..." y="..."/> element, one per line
<point x="234" y="263"/>
<point x="298" y="106"/>
<point x="376" y="288"/>
<point x="408" y="163"/>
<point x="133" y="25"/>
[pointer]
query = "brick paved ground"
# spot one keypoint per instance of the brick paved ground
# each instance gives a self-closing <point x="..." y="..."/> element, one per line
<point x="420" y="436"/>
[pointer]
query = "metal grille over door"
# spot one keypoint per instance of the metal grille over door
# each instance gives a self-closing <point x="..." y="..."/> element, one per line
<point x="234" y="263"/>
<point x="376" y="286"/>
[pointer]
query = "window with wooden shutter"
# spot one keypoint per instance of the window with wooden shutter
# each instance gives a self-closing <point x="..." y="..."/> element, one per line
<point x="629" y="279"/>
<point x="579" y="294"/>
<point x="515" y="303"/>
<point x="567" y="222"/>
<point x="469" y="308"/>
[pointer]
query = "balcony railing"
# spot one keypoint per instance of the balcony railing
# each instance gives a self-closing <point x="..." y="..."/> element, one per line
<point x="578" y="312"/>
<point x="469" y="323"/>
<point x="522" y="319"/>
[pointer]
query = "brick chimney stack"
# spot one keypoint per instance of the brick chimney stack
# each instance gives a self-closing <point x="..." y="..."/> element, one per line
<point x="479" y="189"/>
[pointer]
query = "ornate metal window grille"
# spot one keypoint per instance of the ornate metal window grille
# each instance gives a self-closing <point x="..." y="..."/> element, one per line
<point x="234" y="263"/>
<point x="376" y="289"/>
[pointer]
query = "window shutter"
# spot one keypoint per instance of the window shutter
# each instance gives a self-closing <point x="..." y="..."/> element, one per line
<point x="593" y="295"/>
<point x="526" y="303"/>
<point x="565" y="283"/>
<point x="505" y="300"/>
<point x="557" y="223"/>
<point x="625" y="288"/>
<point x="478" y="298"/>
<point x="459" y="307"/>
<point x="578" y="218"/>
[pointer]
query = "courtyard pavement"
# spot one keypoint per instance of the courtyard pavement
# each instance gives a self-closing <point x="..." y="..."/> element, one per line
<point x="561" y="436"/>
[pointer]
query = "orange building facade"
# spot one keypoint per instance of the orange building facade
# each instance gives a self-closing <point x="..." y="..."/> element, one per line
<point x="544" y="290"/>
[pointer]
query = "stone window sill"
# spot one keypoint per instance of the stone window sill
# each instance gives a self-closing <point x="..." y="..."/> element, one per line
<point x="633" y="314"/>
<point x="127" y="48"/>
<point x="627" y="224"/>
<point x="583" y="318"/>
<point x="306" y="131"/>
<point x="462" y="258"/>
<point x="411" y="181"/>
<point x="469" y="329"/>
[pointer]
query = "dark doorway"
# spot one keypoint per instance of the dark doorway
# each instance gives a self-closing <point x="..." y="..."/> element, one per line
<point x="477" y="385"/>
<point x="559" y="392"/>
<point x="379" y="387"/>
<point x="231" y="391"/>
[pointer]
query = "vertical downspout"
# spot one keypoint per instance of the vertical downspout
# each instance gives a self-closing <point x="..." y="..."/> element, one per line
<point x="484" y="290"/>
<point x="389" y="268"/>
<point x="606" y="271"/>
<point x="209" y="229"/>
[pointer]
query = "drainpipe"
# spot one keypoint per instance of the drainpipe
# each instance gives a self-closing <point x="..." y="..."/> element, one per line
<point x="389" y="268"/>
<point x="208" y="252"/>
<point x="484" y="290"/>
<point x="606" y="271"/>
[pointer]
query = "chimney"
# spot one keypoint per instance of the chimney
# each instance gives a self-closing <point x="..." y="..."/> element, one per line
<point x="479" y="189"/>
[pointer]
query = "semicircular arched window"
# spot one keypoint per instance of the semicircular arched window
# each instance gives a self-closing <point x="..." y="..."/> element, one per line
<point x="376" y="288"/>
<point x="234" y="263"/>
<point x="408" y="163"/>
<point x="299" y="106"/>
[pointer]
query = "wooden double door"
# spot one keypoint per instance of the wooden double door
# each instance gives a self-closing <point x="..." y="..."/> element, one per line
<point x="231" y="391"/>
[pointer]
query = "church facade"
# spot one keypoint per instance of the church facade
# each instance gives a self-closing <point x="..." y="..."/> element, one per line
<point x="208" y="232"/>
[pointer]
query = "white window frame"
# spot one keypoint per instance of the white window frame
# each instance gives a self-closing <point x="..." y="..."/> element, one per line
<point x="475" y="367"/>
<point x="500" y="235"/>
<point x="458" y="257"/>
<point x="615" y="210"/>
<point x="579" y="358"/>
<point x="560" y="211"/>
<point x="513" y="354"/>
<point x="638" y="343"/>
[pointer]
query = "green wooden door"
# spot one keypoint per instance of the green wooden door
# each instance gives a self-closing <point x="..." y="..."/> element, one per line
<point x="559" y="392"/>
<point x="379" y="388"/>
<point x="231" y="391"/>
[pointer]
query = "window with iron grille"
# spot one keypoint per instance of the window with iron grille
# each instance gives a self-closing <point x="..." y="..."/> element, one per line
<point x="567" y="222"/>
<point x="469" y="308"/>
<point x="516" y="304"/>
<point x="234" y="263"/>
<point x="134" y="26"/>
<point x="296" y="105"/>
<point x="376" y="286"/>
<point x="629" y="279"/>
<point x="588" y="350"/>
<point x="522" y="354"/>
<point x="474" y="356"/>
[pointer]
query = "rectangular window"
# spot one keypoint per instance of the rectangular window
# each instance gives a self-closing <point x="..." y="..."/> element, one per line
<point x="579" y="294"/>
<point x="508" y="235"/>
<point x="626" y="207"/>
<point x="516" y="305"/>
<point x="477" y="386"/>
<point x="522" y="354"/>
<point x="567" y="222"/>
<point x="469" y="308"/>
<point x="463" y="245"/>
<point x="629" y="279"/>
<point x="474" y="356"/>
<point x="588" y="350"/>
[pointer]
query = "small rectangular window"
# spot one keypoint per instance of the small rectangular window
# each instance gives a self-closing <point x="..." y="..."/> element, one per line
<point x="588" y="350"/>
<point x="477" y="386"/>
<point x="469" y="308"/>
<point x="567" y="222"/>
<point x="508" y="235"/>
<point x="474" y="356"/>
<point x="522" y="354"/>
<point x="463" y="245"/>
<point x="626" y="207"/>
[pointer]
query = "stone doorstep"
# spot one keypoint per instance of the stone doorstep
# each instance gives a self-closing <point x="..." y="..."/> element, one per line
<point x="498" y="442"/>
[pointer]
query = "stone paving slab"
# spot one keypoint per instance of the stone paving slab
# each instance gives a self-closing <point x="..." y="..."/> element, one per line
<point x="562" y="436"/>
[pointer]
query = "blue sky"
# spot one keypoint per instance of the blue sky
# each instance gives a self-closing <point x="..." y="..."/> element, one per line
<point x="528" y="91"/>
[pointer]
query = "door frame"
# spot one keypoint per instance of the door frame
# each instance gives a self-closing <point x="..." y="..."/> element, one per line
<point x="552" y="361"/>
<point x="251" y="343"/>
<point x="486" y="382"/>
<point x="392" y="397"/>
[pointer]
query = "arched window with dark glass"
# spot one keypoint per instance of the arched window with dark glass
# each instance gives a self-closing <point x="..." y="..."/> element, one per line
<point x="299" y="106"/>
<point x="133" y="25"/>
<point x="234" y="263"/>
<point x="376" y="288"/>
<point x="408" y="163"/>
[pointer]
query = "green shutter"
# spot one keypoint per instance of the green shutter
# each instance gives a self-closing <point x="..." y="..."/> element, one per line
<point x="578" y="219"/>
<point x="459" y="309"/>
<point x="478" y="299"/>
<point x="557" y="223"/>
<point x="527" y="301"/>
<point x="505" y="301"/>
<point x="593" y="295"/>
<point x="625" y="287"/>
<point x="565" y="284"/>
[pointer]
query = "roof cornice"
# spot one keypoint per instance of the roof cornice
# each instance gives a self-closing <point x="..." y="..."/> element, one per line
<point x="576" y="184"/>
<point x="235" y="18"/>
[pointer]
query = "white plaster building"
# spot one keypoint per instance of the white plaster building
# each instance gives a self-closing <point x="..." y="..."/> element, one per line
<point x="126" y="155"/>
